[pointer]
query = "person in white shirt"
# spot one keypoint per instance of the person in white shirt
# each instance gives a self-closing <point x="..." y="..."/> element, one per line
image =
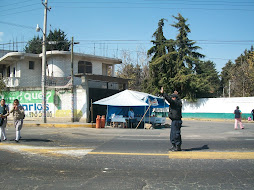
<point x="132" y="119"/>
<point x="131" y="114"/>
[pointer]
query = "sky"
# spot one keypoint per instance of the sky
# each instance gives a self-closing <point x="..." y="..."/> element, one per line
<point x="222" y="28"/>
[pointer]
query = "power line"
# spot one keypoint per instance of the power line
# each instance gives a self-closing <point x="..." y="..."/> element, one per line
<point x="166" y="8"/>
<point x="18" y="25"/>
<point x="239" y="2"/>
<point x="19" y="7"/>
<point x="15" y="3"/>
<point x="157" y="2"/>
<point x="20" y="12"/>
<point x="136" y="40"/>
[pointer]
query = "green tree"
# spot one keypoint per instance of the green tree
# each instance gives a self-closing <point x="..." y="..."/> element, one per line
<point x="226" y="76"/>
<point x="56" y="40"/>
<point x="34" y="45"/>
<point x="159" y="47"/>
<point x="59" y="39"/>
<point x="238" y="76"/>
<point x="187" y="50"/>
<point x="241" y="75"/>
<point x="161" y="64"/>
<point x="177" y="65"/>
<point x="134" y="73"/>
<point x="207" y="72"/>
<point x="131" y="71"/>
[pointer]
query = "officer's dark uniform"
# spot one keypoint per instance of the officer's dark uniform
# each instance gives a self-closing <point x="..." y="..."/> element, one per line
<point x="175" y="114"/>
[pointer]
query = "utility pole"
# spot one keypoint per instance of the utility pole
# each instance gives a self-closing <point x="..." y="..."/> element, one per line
<point x="229" y="85"/>
<point x="72" y="81"/>
<point x="43" y="76"/>
<point x="72" y="85"/>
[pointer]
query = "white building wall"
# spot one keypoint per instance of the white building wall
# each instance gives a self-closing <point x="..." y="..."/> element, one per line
<point x="97" y="68"/>
<point x="63" y="108"/>
<point x="29" y="77"/>
<point x="82" y="104"/>
<point x="60" y="65"/>
<point x="219" y="105"/>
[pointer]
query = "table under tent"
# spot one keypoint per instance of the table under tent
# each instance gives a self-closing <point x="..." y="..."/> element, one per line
<point x="143" y="105"/>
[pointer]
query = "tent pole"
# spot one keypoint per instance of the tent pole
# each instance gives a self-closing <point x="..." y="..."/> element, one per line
<point x="149" y="116"/>
<point x="106" y="116"/>
<point x="144" y="117"/>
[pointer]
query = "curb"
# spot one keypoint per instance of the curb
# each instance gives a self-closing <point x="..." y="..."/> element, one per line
<point x="57" y="125"/>
<point x="213" y="120"/>
<point x="87" y="125"/>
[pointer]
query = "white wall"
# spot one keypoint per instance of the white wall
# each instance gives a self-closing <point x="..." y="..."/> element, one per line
<point x="80" y="105"/>
<point x="29" y="77"/>
<point x="97" y="68"/>
<point x="60" y="66"/>
<point x="219" y="105"/>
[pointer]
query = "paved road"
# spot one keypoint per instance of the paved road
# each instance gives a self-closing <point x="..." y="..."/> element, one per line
<point x="214" y="156"/>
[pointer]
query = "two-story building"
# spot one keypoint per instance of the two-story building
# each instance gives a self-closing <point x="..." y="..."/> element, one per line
<point x="93" y="79"/>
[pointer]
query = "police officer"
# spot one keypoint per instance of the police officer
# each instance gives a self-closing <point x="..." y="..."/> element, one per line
<point x="175" y="114"/>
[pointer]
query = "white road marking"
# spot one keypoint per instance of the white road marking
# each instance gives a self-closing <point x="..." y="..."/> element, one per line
<point x="49" y="151"/>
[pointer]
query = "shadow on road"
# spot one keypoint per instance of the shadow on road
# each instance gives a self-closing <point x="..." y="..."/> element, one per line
<point x="204" y="147"/>
<point x="34" y="140"/>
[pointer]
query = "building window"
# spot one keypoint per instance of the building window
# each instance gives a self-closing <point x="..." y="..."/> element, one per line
<point x="31" y="65"/>
<point x="14" y="71"/>
<point x="84" y="67"/>
<point x="81" y="67"/>
<point x="88" y="67"/>
<point x="8" y="71"/>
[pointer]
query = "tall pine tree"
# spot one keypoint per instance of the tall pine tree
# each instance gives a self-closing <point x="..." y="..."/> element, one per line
<point x="176" y="65"/>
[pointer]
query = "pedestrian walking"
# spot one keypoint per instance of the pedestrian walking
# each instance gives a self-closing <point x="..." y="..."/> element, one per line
<point x="18" y="116"/>
<point x="4" y="111"/>
<point x="238" y="118"/>
<point x="252" y="113"/>
<point x="175" y="114"/>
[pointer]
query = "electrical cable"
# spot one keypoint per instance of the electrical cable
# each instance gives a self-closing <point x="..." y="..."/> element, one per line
<point x="19" y="7"/>
<point x="18" y="25"/>
<point x="20" y="12"/>
<point x="16" y="3"/>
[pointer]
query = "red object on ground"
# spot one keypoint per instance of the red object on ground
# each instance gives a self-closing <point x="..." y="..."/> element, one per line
<point x="103" y="120"/>
<point x="98" y="121"/>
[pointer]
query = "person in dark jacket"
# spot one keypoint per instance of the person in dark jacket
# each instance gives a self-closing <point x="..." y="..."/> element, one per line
<point x="175" y="114"/>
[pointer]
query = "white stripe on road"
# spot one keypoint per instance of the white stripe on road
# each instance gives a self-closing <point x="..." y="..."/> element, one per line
<point x="46" y="151"/>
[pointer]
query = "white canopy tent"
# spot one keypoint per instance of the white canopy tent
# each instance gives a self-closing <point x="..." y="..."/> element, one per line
<point x="127" y="98"/>
<point x="121" y="102"/>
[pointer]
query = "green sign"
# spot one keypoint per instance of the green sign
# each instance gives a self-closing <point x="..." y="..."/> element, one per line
<point x="27" y="96"/>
